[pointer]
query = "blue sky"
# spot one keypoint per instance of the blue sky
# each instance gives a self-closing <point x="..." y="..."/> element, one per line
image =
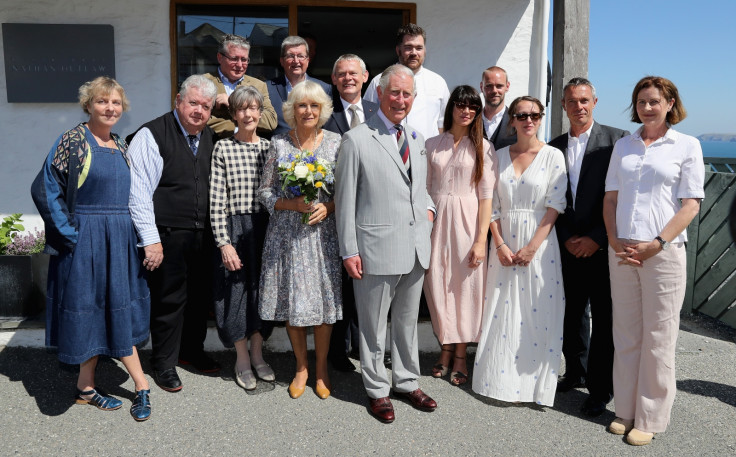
<point x="693" y="44"/>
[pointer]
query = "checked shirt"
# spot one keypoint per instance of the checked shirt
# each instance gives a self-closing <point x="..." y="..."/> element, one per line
<point x="235" y="176"/>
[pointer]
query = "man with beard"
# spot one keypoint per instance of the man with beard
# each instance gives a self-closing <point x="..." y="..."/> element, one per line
<point x="432" y="92"/>
<point x="494" y="85"/>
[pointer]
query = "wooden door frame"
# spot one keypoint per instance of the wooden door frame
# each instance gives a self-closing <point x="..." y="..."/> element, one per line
<point x="409" y="16"/>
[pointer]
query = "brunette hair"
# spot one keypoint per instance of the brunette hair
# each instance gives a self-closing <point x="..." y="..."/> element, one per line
<point x="512" y="109"/>
<point x="467" y="94"/>
<point x="669" y="92"/>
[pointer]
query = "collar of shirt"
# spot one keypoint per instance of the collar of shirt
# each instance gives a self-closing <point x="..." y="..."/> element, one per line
<point x="359" y="111"/>
<point x="390" y="126"/>
<point x="582" y="138"/>
<point x="669" y="137"/>
<point x="492" y="124"/>
<point x="183" y="130"/>
<point x="227" y="83"/>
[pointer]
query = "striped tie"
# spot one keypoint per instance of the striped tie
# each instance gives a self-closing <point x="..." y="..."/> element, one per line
<point x="403" y="144"/>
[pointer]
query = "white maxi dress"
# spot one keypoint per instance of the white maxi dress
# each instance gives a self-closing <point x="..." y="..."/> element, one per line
<point x="520" y="347"/>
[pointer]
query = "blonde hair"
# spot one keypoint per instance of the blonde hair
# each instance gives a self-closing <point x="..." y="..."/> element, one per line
<point x="101" y="85"/>
<point x="307" y="90"/>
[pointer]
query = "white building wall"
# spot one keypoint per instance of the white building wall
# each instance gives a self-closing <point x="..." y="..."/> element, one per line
<point x="463" y="38"/>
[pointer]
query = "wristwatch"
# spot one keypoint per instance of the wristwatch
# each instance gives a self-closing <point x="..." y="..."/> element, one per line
<point x="664" y="244"/>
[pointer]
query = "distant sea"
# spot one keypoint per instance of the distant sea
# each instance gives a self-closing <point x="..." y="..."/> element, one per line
<point x="718" y="148"/>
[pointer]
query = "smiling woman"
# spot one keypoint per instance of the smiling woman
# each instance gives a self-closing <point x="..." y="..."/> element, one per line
<point x="82" y="194"/>
<point x="301" y="275"/>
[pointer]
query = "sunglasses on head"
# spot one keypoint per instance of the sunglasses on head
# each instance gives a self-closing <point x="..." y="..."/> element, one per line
<point x="524" y="116"/>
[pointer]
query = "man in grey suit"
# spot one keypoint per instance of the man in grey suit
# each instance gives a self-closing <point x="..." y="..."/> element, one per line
<point x="493" y="85"/>
<point x="384" y="220"/>
<point x="349" y="110"/>
<point x="583" y="247"/>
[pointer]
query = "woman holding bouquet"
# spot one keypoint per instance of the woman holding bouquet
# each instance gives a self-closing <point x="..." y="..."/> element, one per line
<point x="301" y="276"/>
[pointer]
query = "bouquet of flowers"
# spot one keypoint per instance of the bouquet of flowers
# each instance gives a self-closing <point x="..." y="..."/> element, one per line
<point x="304" y="174"/>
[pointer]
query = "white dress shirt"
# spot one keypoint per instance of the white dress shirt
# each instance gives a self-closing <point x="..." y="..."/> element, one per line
<point x="574" y="157"/>
<point x="651" y="180"/>
<point x="428" y="111"/>
<point x="348" y="114"/>
<point x="490" y="125"/>
<point x="146" y="167"/>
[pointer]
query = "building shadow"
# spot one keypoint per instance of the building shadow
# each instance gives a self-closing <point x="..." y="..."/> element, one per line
<point x="53" y="384"/>
<point x="722" y="392"/>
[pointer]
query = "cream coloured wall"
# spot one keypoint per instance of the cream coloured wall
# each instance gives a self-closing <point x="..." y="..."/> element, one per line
<point x="464" y="38"/>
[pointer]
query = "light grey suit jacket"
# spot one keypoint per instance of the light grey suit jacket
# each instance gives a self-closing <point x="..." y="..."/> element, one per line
<point x="381" y="213"/>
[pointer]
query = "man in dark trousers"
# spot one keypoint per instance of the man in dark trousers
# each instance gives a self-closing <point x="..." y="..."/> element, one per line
<point x="169" y="204"/>
<point x="584" y="247"/>
<point x="349" y="110"/>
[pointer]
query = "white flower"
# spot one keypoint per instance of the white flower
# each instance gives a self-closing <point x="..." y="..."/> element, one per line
<point x="301" y="171"/>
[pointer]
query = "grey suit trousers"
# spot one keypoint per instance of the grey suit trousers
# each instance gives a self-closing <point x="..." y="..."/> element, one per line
<point x="375" y="296"/>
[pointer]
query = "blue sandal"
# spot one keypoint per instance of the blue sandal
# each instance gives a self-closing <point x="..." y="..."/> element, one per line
<point x="141" y="409"/>
<point x="99" y="399"/>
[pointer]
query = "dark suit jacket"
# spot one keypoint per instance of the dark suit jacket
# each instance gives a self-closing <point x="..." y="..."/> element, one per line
<point x="501" y="137"/>
<point x="587" y="217"/>
<point x="337" y="122"/>
<point x="277" y="93"/>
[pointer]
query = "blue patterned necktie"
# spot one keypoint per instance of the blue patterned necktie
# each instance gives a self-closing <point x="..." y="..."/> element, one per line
<point x="192" y="143"/>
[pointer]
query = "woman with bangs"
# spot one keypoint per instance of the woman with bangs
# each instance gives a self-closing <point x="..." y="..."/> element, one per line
<point x="301" y="275"/>
<point x="460" y="180"/>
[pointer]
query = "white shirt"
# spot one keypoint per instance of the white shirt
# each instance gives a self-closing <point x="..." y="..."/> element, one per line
<point x="146" y="167"/>
<point x="492" y="124"/>
<point x="348" y="113"/>
<point x="428" y="111"/>
<point x="574" y="157"/>
<point x="651" y="180"/>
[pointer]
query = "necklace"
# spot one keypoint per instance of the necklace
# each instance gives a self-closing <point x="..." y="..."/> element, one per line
<point x="314" y="140"/>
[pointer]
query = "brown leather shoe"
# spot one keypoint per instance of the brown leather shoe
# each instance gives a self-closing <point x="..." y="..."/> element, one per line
<point x="382" y="409"/>
<point x="419" y="400"/>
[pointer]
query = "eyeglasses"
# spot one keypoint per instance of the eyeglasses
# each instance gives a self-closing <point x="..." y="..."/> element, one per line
<point x="236" y="59"/>
<point x="524" y="116"/>
<point x="299" y="57"/>
<point x="461" y="106"/>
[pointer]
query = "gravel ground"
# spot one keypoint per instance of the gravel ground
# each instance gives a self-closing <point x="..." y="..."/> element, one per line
<point x="212" y="416"/>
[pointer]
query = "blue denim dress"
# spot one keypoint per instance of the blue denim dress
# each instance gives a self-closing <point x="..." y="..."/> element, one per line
<point x="98" y="301"/>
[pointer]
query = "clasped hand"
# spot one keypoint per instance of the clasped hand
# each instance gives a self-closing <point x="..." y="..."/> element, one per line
<point x="522" y="257"/>
<point x="634" y="253"/>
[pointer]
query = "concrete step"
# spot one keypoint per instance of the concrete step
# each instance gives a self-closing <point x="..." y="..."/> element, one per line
<point x="278" y="342"/>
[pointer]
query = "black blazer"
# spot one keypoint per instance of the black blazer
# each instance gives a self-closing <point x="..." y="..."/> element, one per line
<point x="337" y="122"/>
<point x="501" y="137"/>
<point x="277" y="94"/>
<point x="587" y="217"/>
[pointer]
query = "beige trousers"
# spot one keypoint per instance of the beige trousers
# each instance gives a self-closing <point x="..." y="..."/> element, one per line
<point x="646" y="320"/>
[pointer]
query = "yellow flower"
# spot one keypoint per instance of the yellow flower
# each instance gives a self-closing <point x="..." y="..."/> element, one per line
<point x="318" y="184"/>
<point x="310" y="167"/>
<point x="320" y="168"/>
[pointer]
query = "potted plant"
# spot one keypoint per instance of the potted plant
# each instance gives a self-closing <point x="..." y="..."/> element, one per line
<point x="23" y="270"/>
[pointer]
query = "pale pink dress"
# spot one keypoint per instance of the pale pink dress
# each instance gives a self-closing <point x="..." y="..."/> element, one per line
<point x="454" y="291"/>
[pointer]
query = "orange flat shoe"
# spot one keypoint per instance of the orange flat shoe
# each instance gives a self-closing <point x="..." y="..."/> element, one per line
<point x="321" y="390"/>
<point x="296" y="391"/>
